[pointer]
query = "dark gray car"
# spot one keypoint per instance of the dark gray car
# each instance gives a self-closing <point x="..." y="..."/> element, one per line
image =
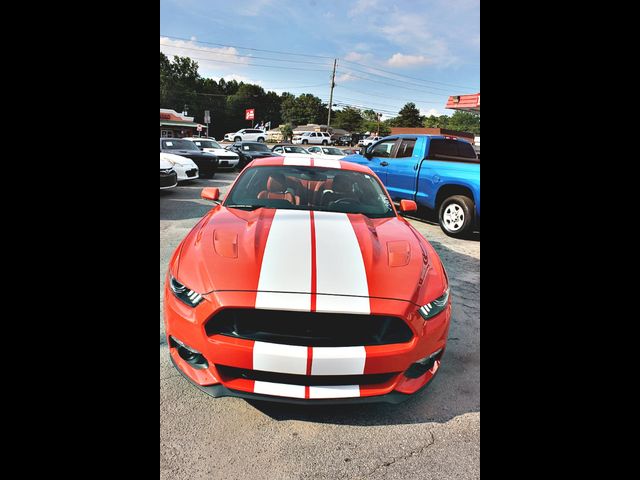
<point x="207" y="162"/>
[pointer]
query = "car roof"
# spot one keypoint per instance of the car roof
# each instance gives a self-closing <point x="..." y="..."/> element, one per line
<point x="279" y="161"/>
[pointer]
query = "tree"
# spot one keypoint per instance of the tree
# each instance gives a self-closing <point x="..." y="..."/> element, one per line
<point x="465" y="122"/>
<point x="287" y="132"/>
<point x="409" y="116"/>
<point x="349" y="118"/>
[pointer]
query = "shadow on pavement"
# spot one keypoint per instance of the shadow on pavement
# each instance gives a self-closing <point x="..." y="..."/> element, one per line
<point x="184" y="202"/>
<point x="454" y="391"/>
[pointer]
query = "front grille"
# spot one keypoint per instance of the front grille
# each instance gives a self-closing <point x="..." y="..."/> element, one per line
<point x="166" y="172"/>
<point x="309" y="328"/>
<point x="168" y="180"/>
<point x="232" y="373"/>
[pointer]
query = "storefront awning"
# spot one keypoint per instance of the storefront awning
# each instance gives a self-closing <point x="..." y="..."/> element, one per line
<point x="170" y="123"/>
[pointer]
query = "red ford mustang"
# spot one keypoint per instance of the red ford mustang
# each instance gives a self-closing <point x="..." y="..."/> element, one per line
<point x="305" y="286"/>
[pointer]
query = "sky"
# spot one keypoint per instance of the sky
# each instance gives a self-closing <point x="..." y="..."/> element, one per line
<point x="389" y="52"/>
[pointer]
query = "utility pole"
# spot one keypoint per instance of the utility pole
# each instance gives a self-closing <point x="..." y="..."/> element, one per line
<point x="333" y="84"/>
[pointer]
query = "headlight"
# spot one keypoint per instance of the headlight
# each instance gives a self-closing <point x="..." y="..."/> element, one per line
<point x="183" y="294"/>
<point x="433" y="308"/>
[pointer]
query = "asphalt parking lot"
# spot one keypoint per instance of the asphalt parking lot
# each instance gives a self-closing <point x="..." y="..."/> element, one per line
<point x="435" y="435"/>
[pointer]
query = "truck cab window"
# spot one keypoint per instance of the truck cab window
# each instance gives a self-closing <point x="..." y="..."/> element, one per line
<point x="406" y="149"/>
<point x="383" y="149"/>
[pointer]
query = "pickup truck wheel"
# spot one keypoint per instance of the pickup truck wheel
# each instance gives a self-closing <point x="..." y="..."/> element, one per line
<point x="304" y="142"/>
<point x="456" y="216"/>
<point x="237" y="139"/>
<point x="261" y="140"/>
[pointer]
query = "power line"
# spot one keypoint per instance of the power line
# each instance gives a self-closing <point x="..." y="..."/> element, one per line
<point x="407" y="76"/>
<point x="240" y="55"/>
<point x="256" y="64"/>
<point x="398" y="80"/>
<point x="245" y="48"/>
<point x="392" y="85"/>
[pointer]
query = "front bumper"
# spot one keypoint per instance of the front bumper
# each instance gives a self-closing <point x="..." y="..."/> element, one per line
<point x="268" y="359"/>
<point x="168" y="180"/>
<point x="187" y="172"/>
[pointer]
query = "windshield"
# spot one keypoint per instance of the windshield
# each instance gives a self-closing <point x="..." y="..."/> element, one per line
<point x="332" y="151"/>
<point x="310" y="188"/>
<point x="290" y="149"/>
<point x="177" y="144"/>
<point x="206" y="144"/>
<point x="256" y="147"/>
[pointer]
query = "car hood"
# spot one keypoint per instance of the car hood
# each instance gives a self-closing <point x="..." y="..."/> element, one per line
<point x="221" y="152"/>
<point x="268" y="250"/>
<point x="177" y="159"/>
<point x="165" y="164"/>
<point x="189" y="153"/>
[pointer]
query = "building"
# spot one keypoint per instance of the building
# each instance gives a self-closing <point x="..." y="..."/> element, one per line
<point x="174" y="124"/>
<point x="469" y="137"/>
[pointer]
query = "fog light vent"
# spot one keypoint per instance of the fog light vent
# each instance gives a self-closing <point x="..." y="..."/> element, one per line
<point x="423" y="365"/>
<point x="188" y="354"/>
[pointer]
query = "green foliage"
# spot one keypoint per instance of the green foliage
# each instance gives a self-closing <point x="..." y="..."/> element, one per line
<point x="409" y="116"/>
<point x="287" y="132"/>
<point x="461" y="121"/>
<point x="349" y="118"/>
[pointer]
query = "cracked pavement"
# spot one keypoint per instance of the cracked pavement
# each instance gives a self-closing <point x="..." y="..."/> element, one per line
<point x="434" y="435"/>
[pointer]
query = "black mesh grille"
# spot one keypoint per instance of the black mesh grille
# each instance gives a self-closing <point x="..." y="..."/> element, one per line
<point x="230" y="373"/>
<point x="309" y="328"/>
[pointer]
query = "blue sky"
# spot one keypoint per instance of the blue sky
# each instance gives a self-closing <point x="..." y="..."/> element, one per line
<point x="379" y="45"/>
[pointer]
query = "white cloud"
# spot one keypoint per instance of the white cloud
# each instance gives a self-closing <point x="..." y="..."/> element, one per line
<point x="401" y="60"/>
<point x="345" y="77"/>
<point x="431" y="111"/>
<point x="201" y="54"/>
<point x="357" y="56"/>
<point x="240" y="78"/>
<point x="362" y="7"/>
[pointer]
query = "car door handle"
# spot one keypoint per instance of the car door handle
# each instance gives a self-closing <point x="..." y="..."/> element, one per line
<point x="384" y="164"/>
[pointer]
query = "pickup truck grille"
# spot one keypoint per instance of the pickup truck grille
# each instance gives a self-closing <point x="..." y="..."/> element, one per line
<point x="309" y="328"/>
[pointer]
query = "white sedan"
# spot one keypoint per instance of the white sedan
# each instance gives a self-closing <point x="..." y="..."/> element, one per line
<point x="226" y="158"/>
<point x="184" y="167"/>
<point x="327" y="152"/>
<point x="168" y="177"/>
<point x="290" y="150"/>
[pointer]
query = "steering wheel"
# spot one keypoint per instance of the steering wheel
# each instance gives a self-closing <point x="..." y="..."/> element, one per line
<point x="346" y="200"/>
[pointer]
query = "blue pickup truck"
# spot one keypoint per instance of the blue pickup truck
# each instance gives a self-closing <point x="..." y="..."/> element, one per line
<point x="439" y="172"/>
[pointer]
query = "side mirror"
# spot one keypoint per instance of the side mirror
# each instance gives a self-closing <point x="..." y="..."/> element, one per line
<point x="407" y="206"/>
<point x="211" y="193"/>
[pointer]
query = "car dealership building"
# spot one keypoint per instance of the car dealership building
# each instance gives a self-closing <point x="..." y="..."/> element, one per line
<point x="174" y="124"/>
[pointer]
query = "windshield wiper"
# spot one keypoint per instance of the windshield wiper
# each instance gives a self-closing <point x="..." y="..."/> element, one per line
<point x="245" y="207"/>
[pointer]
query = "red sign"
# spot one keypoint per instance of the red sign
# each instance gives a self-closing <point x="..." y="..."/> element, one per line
<point x="249" y="114"/>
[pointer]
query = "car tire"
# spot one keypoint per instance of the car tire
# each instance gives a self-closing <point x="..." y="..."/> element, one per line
<point x="237" y="139"/>
<point x="260" y="140"/>
<point x="324" y="142"/>
<point x="455" y="216"/>
<point x="305" y="142"/>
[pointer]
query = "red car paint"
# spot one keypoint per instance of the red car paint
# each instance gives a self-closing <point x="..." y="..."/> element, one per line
<point x="223" y="259"/>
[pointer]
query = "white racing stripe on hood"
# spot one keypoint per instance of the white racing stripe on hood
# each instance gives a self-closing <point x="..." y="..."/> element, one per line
<point x="326" y="162"/>
<point x="297" y="161"/>
<point x="286" y="264"/>
<point x="340" y="267"/>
